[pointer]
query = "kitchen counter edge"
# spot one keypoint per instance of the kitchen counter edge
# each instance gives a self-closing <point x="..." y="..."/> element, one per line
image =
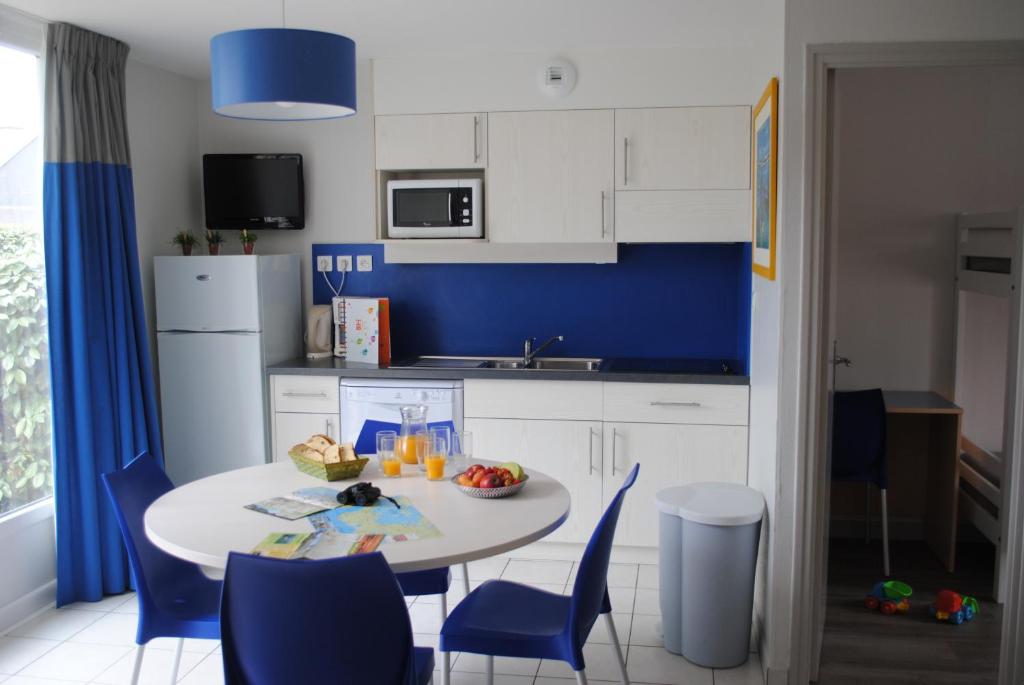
<point x="343" y="369"/>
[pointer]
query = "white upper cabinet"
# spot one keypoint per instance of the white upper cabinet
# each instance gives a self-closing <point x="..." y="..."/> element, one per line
<point x="550" y="176"/>
<point x="682" y="174"/>
<point x="431" y="141"/>
<point x="683" y="148"/>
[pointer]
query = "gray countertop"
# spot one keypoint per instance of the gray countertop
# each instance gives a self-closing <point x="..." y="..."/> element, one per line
<point x="342" y="368"/>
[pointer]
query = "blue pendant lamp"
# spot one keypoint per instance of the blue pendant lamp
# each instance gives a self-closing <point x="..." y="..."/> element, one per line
<point x="283" y="74"/>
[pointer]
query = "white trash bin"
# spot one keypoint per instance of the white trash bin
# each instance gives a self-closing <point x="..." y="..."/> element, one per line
<point x="708" y="539"/>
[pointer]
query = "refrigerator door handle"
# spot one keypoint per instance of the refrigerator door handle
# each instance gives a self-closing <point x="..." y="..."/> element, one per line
<point x="203" y="277"/>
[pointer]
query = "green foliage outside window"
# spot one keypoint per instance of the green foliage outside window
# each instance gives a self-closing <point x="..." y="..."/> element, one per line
<point x="26" y="467"/>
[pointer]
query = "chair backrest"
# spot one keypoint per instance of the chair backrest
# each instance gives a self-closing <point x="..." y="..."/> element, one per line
<point x="336" y="620"/>
<point x="366" y="443"/>
<point x="131" y="490"/>
<point x="589" y="592"/>
<point x="858" y="437"/>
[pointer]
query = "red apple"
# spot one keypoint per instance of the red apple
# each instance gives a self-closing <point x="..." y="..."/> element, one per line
<point x="477" y="478"/>
<point x="490" y="481"/>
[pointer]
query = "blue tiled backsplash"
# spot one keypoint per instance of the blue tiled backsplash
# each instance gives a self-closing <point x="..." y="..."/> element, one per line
<point x="665" y="300"/>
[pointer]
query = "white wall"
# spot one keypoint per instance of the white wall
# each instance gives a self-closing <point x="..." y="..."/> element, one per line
<point x="164" y="142"/>
<point x="764" y="370"/>
<point x="819" y="22"/>
<point x="916" y="146"/>
<point x="606" y="79"/>
<point x="337" y="156"/>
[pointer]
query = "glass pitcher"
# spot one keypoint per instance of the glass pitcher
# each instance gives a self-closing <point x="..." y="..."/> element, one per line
<point x="412" y="437"/>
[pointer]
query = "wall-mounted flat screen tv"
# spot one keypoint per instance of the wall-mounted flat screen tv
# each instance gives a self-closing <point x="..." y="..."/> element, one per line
<point x="253" y="191"/>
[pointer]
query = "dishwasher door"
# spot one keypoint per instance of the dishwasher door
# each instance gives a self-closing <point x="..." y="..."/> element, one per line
<point x="380" y="400"/>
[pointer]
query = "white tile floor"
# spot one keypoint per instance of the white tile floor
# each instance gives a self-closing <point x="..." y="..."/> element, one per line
<point x="94" y="642"/>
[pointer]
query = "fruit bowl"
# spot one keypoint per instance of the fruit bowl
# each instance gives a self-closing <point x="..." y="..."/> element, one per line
<point x="491" y="493"/>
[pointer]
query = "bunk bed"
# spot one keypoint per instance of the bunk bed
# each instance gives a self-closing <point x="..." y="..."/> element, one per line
<point x="988" y="284"/>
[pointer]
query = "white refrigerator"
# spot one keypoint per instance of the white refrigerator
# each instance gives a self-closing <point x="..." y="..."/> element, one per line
<point x="220" y="321"/>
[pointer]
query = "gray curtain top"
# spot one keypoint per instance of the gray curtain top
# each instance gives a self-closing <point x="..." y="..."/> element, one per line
<point x="85" y="117"/>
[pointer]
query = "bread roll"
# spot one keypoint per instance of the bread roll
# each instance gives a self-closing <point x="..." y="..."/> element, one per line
<point x="333" y="454"/>
<point x="304" y="450"/>
<point x="320" y="442"/>
<point x="348" y="453"/>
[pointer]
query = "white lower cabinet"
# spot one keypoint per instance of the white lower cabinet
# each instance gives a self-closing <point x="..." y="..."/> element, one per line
<point x="291" y="429"/>
<point x="568" y="451"/>
<point x="668" y="454"/>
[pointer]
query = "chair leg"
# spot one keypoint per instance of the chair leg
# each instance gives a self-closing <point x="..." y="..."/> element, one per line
<point x="137" y="668"/>
<point x="581" y="678"/>
<point x="465" y="578"/>
<point x="867" y="513"/>
<point x="444" y="607"/>
<point x="885" y="534"/>
<point x="446" y="668"/>
<point x="490" y="669"/>
<point x="177" y="660"/>
<point x="616" y="647"/>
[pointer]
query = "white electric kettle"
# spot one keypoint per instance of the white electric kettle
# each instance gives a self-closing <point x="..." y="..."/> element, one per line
<point x="319" y="330"/>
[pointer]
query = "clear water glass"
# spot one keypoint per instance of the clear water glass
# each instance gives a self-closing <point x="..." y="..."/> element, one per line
<point x="462" y="450"/>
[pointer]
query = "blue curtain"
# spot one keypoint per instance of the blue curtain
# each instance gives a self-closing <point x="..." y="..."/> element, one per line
<point x="104" y="405"/>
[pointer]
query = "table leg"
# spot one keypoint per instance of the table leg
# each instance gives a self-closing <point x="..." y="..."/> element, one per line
<point x="943" y="486"/>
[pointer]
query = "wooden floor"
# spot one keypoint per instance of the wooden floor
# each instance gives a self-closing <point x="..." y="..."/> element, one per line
<point x="862" y="646"/>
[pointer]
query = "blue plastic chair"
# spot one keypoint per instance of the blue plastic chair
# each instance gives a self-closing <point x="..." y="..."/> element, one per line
<point x="175" y="598"/>
<point x="337" y="620"/>
<point x="500" y="618"/>
<point x="859" y="452"/>
<point x="435" y="581"/>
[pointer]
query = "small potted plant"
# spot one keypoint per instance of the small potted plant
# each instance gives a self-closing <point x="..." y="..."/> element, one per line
<point x="185" y="240"/>
<point x="248" y="240"/>
<point x="213" y="241"/>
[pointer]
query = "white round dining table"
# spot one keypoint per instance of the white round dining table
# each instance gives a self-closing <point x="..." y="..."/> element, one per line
<point x="204" y="520"/>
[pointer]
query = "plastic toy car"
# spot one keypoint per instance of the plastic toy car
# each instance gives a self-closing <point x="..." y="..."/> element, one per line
<point x="889" y="597"/>
<point x="953" y="607"/>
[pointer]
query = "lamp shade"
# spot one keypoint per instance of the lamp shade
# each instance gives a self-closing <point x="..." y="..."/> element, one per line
<point x="283" y="74"/>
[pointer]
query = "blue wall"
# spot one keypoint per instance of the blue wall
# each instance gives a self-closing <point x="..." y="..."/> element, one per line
<point x="660" y="301"/>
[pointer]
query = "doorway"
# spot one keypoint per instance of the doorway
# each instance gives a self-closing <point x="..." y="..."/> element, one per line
<point x="903" y="145"/>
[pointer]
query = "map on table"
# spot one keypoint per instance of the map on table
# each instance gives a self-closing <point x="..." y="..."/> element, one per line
<point x="397" y="524"/>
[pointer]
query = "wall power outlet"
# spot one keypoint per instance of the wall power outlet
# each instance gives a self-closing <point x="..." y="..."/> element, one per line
<point x="323" y="263"/>
<point x="344" y="262"/>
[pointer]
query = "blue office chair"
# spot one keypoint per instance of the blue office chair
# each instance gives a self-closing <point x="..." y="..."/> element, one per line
<point x="859" y="450"/>
<point x="336" y="620"/>
<point x="500" y="618"/>
<point x="435" y="581"/>
<point x="175" y="598"/>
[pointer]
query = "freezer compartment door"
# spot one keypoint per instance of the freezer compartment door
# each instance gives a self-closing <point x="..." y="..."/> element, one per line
<point x="212" y="400"/>
<point x="207" y="293"/>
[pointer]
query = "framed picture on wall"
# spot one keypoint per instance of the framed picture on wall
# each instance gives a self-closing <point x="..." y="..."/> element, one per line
<point x="765" y="152"/>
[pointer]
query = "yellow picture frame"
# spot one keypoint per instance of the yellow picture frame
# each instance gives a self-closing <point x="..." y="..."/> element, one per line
<point x="764" y="181"/>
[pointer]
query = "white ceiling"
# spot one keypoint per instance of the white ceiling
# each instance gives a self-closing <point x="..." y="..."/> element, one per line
<point x="175" y="34"/>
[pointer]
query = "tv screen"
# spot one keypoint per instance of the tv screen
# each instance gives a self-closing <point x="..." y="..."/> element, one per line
<point x="253" y="191"/>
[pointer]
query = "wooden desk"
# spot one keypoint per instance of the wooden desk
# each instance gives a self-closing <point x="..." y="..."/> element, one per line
<point x="943" y="477"/>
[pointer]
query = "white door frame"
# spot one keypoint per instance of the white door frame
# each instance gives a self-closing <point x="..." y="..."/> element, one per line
<point x="810" y="486"/>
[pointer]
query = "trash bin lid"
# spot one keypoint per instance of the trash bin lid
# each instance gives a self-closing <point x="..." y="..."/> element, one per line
<point x="715" y="504"/>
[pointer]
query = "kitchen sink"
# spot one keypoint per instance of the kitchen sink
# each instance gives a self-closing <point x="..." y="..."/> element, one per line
<point x="565" y="364"/>
<point x="511" y="364"/>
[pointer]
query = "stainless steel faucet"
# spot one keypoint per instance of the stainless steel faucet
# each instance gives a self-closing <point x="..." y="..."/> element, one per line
<point x="529" y="353"/>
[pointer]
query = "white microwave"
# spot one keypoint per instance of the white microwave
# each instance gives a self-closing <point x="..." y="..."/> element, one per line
<point x="436" y="208"/>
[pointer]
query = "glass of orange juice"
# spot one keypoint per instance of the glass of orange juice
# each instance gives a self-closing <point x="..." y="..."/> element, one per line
<point x="390" y="464"/>
<point x="436" y="455"/>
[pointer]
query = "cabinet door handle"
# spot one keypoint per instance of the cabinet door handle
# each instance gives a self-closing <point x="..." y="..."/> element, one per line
<point x="476" y="136"/>
<point x="289" y="393"/>
<point x="660" y="403"/>
<point x="625" y="161"/>
<point x="615" y="438"/>
<point x="604" y="224"/>
<point x="327" y="428"/>
<point x="591" y="439"/>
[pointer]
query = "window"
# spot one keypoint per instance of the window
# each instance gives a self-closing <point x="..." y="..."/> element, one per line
<point x="26" y="467"/>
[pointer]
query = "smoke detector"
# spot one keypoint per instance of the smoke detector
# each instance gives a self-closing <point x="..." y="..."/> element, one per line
<point x="557" y="78"/>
